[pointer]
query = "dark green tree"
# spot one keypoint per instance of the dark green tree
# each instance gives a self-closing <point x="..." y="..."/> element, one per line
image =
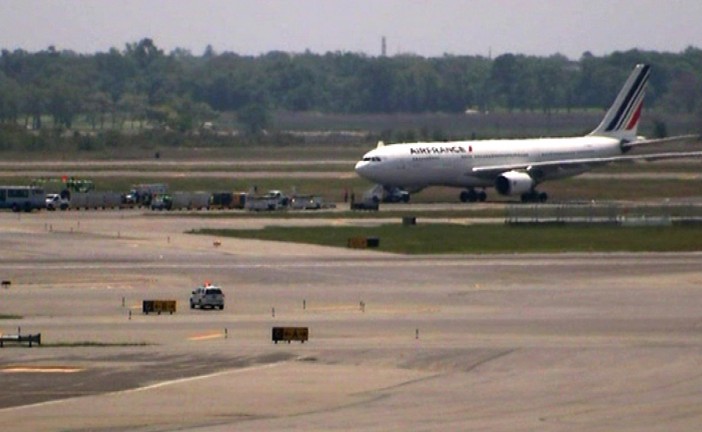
<point x="254" y="118"/>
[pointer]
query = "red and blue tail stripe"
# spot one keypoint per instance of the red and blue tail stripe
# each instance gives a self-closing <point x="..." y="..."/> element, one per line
<point x="622" y="118"/>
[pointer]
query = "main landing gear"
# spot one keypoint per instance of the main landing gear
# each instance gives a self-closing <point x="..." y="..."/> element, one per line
<point x="534" y="197"/>
<point x="471" y="195"/>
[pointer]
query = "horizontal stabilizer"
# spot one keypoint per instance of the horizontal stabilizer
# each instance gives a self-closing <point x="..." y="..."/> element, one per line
<point x="680" y="139"/>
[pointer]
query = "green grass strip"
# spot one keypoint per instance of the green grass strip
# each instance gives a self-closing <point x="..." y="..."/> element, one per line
<point x="486" y="239"/>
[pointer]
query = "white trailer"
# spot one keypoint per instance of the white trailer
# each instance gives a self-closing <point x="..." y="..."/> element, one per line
<point x="190" y="200"/>
<point x="95" y="200"/>
<point x="261" y="203"/>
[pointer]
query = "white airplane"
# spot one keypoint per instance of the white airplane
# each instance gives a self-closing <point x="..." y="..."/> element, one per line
<point x="516" y="166"/>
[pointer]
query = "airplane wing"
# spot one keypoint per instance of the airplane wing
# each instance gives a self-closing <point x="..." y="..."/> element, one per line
<point x="680" y="139"/>
<point x="549" y="168"/>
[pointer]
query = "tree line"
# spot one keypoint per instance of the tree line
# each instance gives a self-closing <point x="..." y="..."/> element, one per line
<point x="142" y="84"/>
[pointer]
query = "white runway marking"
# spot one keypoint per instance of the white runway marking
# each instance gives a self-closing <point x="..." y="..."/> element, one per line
<point x="149" y="387"/>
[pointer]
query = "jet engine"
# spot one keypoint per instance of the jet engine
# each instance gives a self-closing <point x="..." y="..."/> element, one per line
<point x="514" y="182"/>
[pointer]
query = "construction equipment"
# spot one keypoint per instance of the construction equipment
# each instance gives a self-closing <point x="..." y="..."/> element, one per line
<point x="68" y="183"/>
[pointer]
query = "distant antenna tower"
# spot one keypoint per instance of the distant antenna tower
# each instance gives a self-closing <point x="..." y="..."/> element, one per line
<point x="383" y="47"/>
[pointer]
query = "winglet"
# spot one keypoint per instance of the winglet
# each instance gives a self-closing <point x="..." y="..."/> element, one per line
<point x="622" y="118"/>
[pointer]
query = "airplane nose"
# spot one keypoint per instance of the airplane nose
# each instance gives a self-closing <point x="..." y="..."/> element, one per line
<point x="365" y="169"/>
<point x="360" y="165"/>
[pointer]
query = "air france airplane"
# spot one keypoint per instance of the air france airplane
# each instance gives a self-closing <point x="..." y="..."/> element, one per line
<point x="515" y="167"/>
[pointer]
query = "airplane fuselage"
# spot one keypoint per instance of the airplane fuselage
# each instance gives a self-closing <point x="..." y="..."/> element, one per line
<point x="418" y="165"/>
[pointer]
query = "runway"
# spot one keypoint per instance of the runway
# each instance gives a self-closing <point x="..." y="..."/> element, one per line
<point x="487" y="342"/>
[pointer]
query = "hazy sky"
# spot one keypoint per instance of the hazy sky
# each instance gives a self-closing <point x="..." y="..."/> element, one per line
<point x="428" y="28"/>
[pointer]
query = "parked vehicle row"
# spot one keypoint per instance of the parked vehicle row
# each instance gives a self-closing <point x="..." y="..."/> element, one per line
<point x="154" y="197"/>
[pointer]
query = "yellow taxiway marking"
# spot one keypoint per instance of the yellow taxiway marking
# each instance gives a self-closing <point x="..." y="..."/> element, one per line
<point x="206" y="336"/>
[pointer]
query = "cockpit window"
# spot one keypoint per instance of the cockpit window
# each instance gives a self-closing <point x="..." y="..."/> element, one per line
<point x="371" y="159"/>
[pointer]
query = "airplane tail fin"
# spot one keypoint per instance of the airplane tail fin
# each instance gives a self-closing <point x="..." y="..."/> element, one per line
<point x="622" y="118"/>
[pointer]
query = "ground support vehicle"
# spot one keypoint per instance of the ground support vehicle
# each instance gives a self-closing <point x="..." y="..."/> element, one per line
<point x="207" y="296"/>
<point x="239" y="200"/>
<point x="306" y="202"/>
<point x="396" y="195"/>
<point x="56" y="202"/>
<point x="261" y="203"/>
<point x="162" y="202"/>
<point x="141" y="194"/>
<point x="191" y="200"/>
<point x="365" y="204"/>
<point x="221" y="200"/>
<point x="227" y="200"/>
<point x="22" y="198"/>
<point x="95" y="200"/>
<point x="280" y="198"/>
